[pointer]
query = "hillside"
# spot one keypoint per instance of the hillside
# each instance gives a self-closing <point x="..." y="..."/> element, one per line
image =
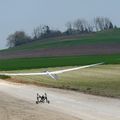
<point x="68" y="51"/>
<point x="106" y="42"/>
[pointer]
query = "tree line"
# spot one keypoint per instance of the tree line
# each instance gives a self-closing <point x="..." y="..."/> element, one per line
<point x="77" y="27"/>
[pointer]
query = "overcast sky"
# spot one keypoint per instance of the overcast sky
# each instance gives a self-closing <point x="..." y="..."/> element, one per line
<point x="27" y="14"/>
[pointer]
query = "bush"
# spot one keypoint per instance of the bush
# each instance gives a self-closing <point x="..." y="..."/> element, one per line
<point x="4" y="77"/>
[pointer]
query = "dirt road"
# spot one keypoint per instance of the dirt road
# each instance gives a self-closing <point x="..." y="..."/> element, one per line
<point x="17" y="102"/>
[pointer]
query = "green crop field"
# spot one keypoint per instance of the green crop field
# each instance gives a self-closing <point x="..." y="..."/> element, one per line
<point x="30" y="63"/>
<point x="99" y="80"/>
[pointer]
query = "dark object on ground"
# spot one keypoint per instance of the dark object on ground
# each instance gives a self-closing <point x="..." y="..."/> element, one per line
<point x="42" y="99"/>
<point x="4" y="77"/>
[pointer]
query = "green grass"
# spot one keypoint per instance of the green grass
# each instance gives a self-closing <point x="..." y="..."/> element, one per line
<point x="105" y="37"/>
<point x="99" y="80"/>
<point x="30" y="63"/>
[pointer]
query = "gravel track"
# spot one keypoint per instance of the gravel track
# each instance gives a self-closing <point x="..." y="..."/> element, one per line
<point x="19" y="100"/>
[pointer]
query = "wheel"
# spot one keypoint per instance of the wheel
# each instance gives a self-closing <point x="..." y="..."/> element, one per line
<point x="36" y="102"/>
<point x="48" y="101"/>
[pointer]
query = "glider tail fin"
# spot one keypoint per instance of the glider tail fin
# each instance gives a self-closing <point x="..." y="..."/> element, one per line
<point x="53" y="76"/>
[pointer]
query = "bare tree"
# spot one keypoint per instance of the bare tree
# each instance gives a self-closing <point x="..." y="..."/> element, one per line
<point x="11" y="41"/>
<point x="41" y="31"/>
<point x="69" y="26"/>
<point x="108" y="24"/>
<point x="90" y="27"/>
<point x="81" y="25"/>
<point x="37" y="32"/>
<point x="78" y="25"/>
<point x="102" y="23"/>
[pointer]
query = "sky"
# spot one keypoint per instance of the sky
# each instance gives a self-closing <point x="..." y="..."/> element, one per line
<point x="27" y="14"/>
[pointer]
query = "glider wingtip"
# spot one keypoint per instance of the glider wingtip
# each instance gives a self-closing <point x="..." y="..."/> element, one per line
<point x="102" y="63"/>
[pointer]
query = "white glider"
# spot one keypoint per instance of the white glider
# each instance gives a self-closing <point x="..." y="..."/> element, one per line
<point x="50" y="74"/>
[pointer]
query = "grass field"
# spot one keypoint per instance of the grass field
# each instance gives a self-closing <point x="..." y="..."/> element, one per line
<point x="30" y="63"/>
<point x="99" y="80"/>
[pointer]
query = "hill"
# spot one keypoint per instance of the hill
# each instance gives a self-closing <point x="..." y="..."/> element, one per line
<point x="105" y="42"/>
<point x="67" y="51"/>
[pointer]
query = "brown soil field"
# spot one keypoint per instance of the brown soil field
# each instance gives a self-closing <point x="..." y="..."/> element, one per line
<point x="100" y="49"/>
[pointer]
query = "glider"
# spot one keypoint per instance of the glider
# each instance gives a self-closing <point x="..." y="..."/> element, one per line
<point x="53" y="74"/>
